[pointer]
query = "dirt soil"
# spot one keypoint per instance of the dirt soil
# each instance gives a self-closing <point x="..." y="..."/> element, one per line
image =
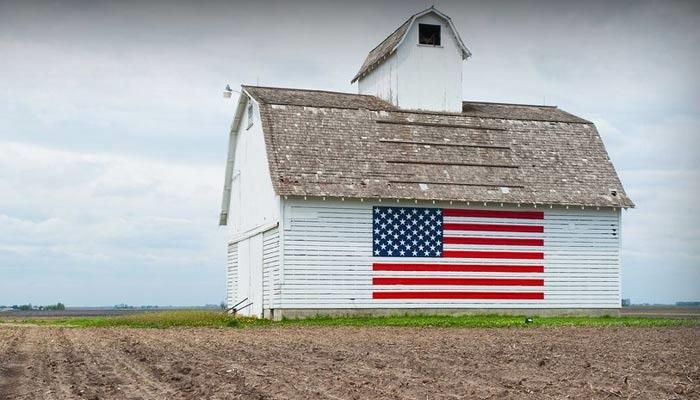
<point x="349" y="363"/>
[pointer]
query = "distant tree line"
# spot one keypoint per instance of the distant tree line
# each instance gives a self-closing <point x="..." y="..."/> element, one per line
<point x="129" y="307"/>
<point x="29" y="307"/>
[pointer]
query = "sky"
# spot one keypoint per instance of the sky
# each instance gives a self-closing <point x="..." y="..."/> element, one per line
<point x="113" y="127"/>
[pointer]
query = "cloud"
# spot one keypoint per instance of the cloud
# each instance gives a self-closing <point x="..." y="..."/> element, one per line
<point x="100" y="214"/>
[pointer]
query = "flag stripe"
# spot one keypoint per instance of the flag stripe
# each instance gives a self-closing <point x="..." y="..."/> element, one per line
<point x="493" y="241"/>
<point x="456" y="267"/>
<point x="516" y="255"/>
<point x="459" y="295"/>
<point x="449" y="212"/>
<point x="457" y="281"/>
<point x="493" y="227"/>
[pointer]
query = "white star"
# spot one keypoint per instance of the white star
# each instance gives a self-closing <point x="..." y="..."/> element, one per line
<point x="389" y="210"/>
<point x="383" y="247"/>
<point x="376" y="210"/>
<point x="402" y="211"/>
<point x="402" y="252"/>
<point x="376" y="252"/>
<point x="438" y="211"/>
<point x="437" y="253"/>
<point x="415" y="253"/>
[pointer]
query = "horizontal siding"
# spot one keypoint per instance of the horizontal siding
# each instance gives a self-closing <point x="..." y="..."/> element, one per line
<point x="231" y="274"/>
<point x="328" y="259"/>
<point x="271" y="269"/>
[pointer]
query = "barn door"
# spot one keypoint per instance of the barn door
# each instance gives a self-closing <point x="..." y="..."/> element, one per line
<point x="250" y="278"/>
<point x="256" y="276"/>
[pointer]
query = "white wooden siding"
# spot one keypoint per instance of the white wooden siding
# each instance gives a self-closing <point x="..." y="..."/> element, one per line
<point x="231" y="274"/>
<point x="328" y="259"/>
<point x="271" y="269"/>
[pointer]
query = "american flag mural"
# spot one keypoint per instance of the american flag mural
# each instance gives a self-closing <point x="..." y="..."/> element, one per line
<point x="444" y="253"/>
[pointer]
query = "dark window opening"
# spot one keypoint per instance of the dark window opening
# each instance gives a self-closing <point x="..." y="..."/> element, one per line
<point x="429" y="34"/>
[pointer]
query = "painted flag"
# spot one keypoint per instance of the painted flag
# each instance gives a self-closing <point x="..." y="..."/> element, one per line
<point x="443" y="253"/>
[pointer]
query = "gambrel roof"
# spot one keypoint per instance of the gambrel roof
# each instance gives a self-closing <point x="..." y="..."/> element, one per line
<point x="389" y="45"/>
<point x="358" y="146"/>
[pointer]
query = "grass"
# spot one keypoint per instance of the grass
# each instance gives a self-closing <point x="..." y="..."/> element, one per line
<point x="164" y="319"/>
<point x="214" y="319"/>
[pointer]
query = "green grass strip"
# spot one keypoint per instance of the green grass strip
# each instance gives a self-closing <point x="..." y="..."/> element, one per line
<point x="215" y="319"/>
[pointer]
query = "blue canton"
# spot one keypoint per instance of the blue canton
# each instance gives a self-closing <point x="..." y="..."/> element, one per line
<point x="407" y="232"/>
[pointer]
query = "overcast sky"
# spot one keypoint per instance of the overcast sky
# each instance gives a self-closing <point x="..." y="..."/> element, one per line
<point x="113" y="128"/>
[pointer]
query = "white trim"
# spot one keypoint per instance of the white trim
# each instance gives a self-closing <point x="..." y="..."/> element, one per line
<point x="231" y="158"/>
<point x="252" y="232"/>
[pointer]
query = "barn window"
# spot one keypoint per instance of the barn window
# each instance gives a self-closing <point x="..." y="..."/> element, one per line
<point x="429" y="34"/>
<point x="250" y="114"/>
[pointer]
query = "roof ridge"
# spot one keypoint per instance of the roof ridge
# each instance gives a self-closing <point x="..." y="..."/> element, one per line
<point x="308" y="90"/>
<point x="509" y="104"/>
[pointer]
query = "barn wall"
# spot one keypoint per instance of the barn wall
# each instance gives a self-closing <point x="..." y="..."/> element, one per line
<point x="381" y="82"/>
<point x="328" y="260"/>
<point x="231" y="274"/>
<point x="253" y="199"/>
<point x="430" y="78"/>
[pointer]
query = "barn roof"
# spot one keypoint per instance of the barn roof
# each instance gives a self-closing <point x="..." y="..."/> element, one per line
<point x="358" y="146"/>
<point x="389" y="45"/>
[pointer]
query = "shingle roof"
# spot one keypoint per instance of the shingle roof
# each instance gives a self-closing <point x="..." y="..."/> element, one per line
<point x="389" y="45"/>
<point x="358" y="146"/>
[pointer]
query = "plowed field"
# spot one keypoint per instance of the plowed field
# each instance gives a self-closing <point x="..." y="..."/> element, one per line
<point x="349" y="363"/>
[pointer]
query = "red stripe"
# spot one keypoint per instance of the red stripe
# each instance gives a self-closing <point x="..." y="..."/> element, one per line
<point x="493" y="227"/>
<point x="457" y="267"/>
<point x="457" y="281"/>
<point x="493" y="254"/>
<point x="495" y="241"/>
<point x="459" y="295"/>
<point x="451" y="212"/>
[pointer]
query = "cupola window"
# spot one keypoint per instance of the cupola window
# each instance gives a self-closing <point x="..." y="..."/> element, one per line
<point x="429" y="34"/>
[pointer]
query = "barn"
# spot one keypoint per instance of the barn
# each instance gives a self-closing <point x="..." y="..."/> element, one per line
<point x="405" y="198"/>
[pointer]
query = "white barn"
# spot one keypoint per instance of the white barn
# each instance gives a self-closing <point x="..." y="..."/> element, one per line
<point x="404" y="198"/>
